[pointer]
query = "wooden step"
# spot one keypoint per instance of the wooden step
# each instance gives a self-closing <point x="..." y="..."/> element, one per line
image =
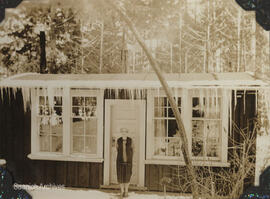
<point x="131" y="187"/>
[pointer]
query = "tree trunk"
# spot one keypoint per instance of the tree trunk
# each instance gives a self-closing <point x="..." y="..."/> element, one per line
<point x="154" y="64"/>
<point x="238" y="39"/>
<point x="101" y="48"/>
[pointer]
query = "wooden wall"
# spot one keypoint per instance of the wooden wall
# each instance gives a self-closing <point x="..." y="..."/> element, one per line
<point x="15" y="130"/>
<point x="15" y="142"/>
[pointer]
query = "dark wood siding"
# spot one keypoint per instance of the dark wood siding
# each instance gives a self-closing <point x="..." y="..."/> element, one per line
<point x="244" y="115"/>
<point x="15" y="145"/>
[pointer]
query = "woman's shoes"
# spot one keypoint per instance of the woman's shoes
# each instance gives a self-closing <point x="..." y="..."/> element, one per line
<point x="124" y="194"/>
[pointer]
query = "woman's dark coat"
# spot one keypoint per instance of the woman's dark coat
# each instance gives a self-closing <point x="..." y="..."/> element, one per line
<point x="124" y="169"/>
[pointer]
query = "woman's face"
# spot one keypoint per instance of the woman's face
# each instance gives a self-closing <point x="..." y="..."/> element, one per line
<point x="124" y="133"/>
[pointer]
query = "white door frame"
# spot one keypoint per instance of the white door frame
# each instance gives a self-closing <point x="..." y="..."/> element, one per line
<point x="107" y="149"/>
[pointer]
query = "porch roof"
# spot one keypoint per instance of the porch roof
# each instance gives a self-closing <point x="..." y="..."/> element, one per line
<point x="145" y="80"/>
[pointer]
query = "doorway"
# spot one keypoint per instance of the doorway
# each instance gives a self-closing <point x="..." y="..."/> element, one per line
<point x="129" y="114"/>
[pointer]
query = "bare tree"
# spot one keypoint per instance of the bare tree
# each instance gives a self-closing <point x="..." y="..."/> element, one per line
<point x="156" y="68"/>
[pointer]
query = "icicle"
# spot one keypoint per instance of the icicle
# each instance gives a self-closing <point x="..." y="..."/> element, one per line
<point x="256" y="102"/>
<point x="244" y="101"/>
<point x="208" y="107"/>
<point x="175" y="90"/>
<point x="158" y="93"/>
<point x="229" y="95"/>
<point x="50" y="94"/>
<point x="116" y="93"/>
<point x="216" y="101"/>
<point x="235" y="98"/>
<point x="14" y="91"/>
<point x="132" y="94"/>
<point x="110" y="93"/>
<point x="126" y="94"/>
<point x="135" y="93"/>
<point x="2" y="94"/>
<point x="9" y="97"/>
<point x="26" y="97"/>
<point x="201" y="104"/>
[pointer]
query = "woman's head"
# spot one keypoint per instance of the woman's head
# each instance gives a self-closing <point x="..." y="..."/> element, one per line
<point x="124" y="132"/>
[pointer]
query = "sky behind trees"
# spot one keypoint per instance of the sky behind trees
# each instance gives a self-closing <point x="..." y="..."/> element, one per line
<point x="184" y="36"/>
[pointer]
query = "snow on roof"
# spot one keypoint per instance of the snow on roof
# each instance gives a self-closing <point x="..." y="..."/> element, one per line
<point x="145" y="80"/>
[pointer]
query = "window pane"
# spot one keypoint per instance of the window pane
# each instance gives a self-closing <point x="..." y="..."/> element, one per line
<point x="41" y="110"/>
<point x="91" y="126"/>
<point x="78" y="144"/>
<point x="57" y="111"/>
<point x="211" y="147"/>
<point x="172" y="128"/>
<point x="160" y="128"/>
<point x="197" y="137"/>
<point x="78" y="111"/>
<point x="212" y="140"/>
<point x="212" y="128"/>
<point x="213" y="108"/>
<point x="57" y="143"/>
<point x="44" y="143"/>
<point x="197" y="128"/>
<point x="77" y="126"/>
<point x="179" y="102"/>
<point x="174" y="147"/>
<point x="90" y="101"/>
<point x="160" y="147"/>
<point x="160" y="112"/>
<point x="44" y="125"/>
<point x="90" y="111"/>
<point x="57" y="126"/>
<point x="170" y="112"/>
<point x="197" y="147"/>
<point x="77" y="101"/>
<point x="44" y="110"/>
<point x="58" y="101"/>
<point x="160" y="101"/>
<point x="41" y="100"/>
<point x="197" y="109"/>
<point x="91" y="145"/>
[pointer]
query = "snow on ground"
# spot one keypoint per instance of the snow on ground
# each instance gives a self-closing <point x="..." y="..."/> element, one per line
<point x="38" y="192"/>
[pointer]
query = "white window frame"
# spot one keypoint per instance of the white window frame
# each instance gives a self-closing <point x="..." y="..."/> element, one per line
<point x="186" y="115"/>
<point x="67" y="154"/>
<point x="166" y="137"/>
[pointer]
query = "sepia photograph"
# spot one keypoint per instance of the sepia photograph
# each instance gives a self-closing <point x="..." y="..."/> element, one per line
<point x="138" y="99"/>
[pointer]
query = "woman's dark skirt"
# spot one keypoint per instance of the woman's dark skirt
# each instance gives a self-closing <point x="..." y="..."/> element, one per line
<point x="124" y="171"/>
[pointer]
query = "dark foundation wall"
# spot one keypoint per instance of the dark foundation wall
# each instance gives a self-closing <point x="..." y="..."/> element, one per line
<point x="15" y="145"/>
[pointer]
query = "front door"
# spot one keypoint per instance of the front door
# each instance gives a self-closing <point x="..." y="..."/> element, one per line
<point x="127" y="114"/>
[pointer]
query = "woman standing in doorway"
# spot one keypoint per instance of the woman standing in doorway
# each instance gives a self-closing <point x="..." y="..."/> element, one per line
<point x="124" y="161"/>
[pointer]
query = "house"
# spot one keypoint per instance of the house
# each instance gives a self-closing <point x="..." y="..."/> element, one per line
<point x="62" y="128"/>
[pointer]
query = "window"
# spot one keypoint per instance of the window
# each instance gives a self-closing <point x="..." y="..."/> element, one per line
<point x="84" y="124"/>
<point x="204" y="113"/>
<point x="167" y="140"/>
<point x="66" y="125"/>
<point x="50" y="124"/>
<point x="206" y="127"/>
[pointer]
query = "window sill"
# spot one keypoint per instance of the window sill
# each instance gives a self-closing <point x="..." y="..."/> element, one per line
<point x="194" y="163"/>
<point x="60" y="157"/>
